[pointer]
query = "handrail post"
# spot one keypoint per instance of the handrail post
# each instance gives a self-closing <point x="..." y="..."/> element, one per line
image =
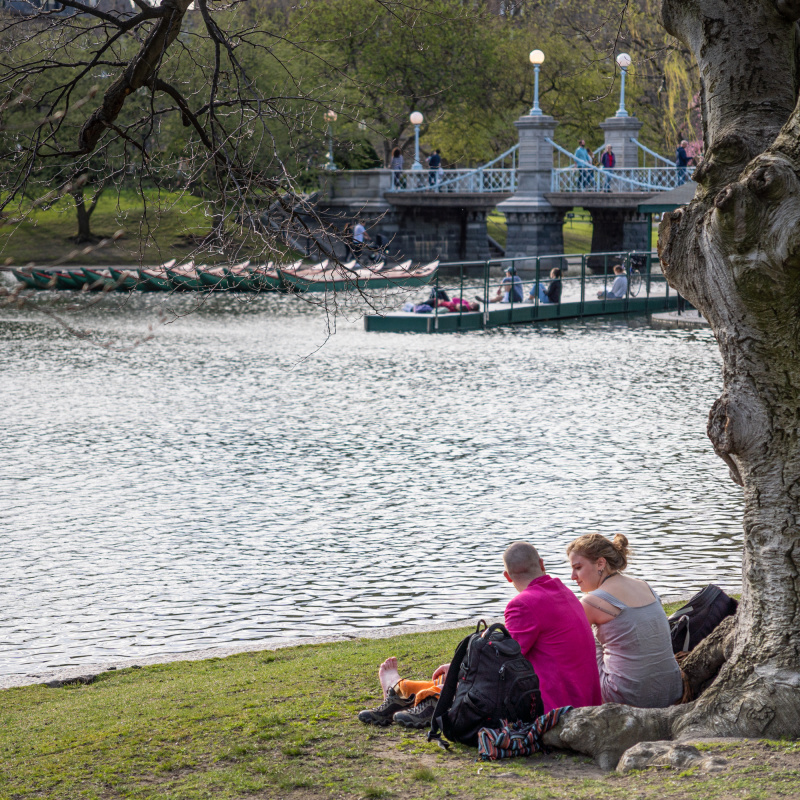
<point x="461" y="295"/>
<point x="486" y="294"/>
<point x="628" y="281"/>
<point x="583" y="282"/>
<point x="436" y="306"/>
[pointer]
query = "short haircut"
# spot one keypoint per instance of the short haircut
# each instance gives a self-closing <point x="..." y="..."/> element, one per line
<point x="556" y="271"/>
<point x="521" y="558"/>
<point x="619" y="268"/>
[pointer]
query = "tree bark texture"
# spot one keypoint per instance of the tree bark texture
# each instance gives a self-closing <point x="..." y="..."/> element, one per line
<point x="734" y="253"/>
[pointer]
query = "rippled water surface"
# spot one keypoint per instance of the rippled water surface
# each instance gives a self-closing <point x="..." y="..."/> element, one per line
<point x="240" y="477"/>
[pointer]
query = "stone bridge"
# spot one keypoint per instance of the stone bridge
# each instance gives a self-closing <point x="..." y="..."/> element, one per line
<point x="427" y="215"/>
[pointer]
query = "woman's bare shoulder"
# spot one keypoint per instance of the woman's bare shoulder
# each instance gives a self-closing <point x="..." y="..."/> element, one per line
<point x="634" y="592"/>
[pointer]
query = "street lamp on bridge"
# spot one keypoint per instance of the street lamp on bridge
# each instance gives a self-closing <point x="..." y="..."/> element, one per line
<point x="624" y="61"/>
<point x="537" y="59"/>
<point x="330" y="117"/>
<point x="416" y="120"/>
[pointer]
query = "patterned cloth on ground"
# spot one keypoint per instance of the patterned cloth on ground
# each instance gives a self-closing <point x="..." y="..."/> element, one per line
<point x="519" y="738"/>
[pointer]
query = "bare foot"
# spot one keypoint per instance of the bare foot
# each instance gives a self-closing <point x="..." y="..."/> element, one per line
<point x="388" y="674"/>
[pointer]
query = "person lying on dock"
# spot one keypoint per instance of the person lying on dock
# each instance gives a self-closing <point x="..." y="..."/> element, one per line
<point x="510" y="289"/>
<point x="553" y="292"/>
<point x="619" y="288"/>
<point x="457" y="304"/>
<point x="549" y="623"/>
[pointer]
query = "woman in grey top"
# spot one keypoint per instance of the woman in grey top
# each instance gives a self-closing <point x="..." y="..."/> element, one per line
<point x="634" y="648"/>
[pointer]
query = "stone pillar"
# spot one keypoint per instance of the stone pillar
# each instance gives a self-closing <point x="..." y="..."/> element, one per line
<point x="618" y="133"/>
<point x="534" y="226"/>
<point x="617" y="230"/>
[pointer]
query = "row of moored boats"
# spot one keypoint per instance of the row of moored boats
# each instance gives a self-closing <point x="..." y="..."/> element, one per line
<point x="244" y="277"/>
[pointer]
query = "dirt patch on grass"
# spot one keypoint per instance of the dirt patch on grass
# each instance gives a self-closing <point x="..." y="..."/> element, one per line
<point x="755" y="770"/>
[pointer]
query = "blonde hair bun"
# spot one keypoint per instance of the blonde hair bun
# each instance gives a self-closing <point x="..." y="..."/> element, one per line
<point x="595" y="546"/>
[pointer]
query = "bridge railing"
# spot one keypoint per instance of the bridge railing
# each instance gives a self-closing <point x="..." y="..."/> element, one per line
<point x="588" y="178"/>
<point x="497" y="175"/>
<point x="456" y="180"/>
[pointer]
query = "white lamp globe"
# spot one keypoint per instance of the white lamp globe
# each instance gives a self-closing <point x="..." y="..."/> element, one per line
<point x="416" y="118"/>
<point x="624" y="60"/>
<point x="331" y="115"/>
<point x="536" y="57"/>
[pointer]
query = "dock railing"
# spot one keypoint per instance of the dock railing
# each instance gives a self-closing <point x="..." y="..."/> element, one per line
<point x="584" y="276"/>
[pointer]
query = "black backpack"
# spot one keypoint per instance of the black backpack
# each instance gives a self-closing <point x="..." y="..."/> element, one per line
<point x="489" y="681"/>
<point x="691" y="624"/>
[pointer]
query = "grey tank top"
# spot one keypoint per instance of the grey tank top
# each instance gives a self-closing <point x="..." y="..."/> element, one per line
<point x="634" y="656"/>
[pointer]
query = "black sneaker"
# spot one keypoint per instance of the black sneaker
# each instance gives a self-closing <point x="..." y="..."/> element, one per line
<point x="418" y="717"/>
<point x="384" y="713"/>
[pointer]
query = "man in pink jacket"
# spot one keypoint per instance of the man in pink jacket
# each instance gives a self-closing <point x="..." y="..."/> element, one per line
<point x="549" y="623"/>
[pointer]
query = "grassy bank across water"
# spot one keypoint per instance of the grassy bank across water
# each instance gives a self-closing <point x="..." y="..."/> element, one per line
<point x="282" y="724"/>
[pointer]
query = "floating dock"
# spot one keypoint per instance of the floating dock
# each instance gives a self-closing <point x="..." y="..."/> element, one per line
<point x="520" y="314"/>
<point x="646" y="293"/>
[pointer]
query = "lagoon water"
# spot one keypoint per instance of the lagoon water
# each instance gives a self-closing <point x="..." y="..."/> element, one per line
<point x="243" y="475"/>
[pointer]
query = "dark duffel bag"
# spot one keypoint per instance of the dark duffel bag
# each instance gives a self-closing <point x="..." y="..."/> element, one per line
<point x="489" y="681"/>
<point x="691" y="624"/>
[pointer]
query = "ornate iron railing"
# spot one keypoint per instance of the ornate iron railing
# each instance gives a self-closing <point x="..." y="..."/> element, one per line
<point x="478" y="180"/>
<point x="588" y="178"/>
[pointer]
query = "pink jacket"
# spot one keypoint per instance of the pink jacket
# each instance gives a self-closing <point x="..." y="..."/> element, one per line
<point x="549" y="623"/>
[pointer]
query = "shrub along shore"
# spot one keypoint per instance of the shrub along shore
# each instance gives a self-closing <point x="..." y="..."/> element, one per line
<point x="282" y="723"/>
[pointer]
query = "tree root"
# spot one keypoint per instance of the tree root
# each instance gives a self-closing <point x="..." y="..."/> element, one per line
<point x="735" y="699"/>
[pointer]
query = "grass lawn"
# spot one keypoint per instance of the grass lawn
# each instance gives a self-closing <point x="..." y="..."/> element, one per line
<point x="44" y="236"/>
<point x="282" y="725"/>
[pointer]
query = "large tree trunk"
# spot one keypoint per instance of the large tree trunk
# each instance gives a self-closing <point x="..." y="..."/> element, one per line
<point x="734" y="253"/>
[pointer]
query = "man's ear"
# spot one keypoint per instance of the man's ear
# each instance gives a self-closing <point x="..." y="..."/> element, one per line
<point x="541" y="566"/>
<point x="507" y="576"/>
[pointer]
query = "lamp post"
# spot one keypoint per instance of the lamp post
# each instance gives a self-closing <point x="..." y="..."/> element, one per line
<point x="624" y="61"/>
<point x="330" y="117"/>
<point x="537" y="59"/>
<point x="416" y="120"/>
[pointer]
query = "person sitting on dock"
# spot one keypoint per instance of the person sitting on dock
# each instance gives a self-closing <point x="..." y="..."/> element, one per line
<point x="549" y="623"/>
<point x="510" y="290"/>
<point x="619" y="288"/>
<point x="553" y="292"/>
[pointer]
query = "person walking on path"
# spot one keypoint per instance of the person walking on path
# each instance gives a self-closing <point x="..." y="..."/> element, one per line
<point x="608" y="161"/>
<point x="359" y="234"/>
<point x="583" y="158"/>
<point x="681" y="161"/>
<point x="434" y="162"/>
<point x="397" y="168"/>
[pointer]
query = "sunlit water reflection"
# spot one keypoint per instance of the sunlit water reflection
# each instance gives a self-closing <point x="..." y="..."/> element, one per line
<point x="232" y="480"/>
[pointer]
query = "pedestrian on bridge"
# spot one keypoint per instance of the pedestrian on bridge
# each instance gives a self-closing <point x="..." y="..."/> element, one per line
<point x="397" y="168"/>
<point x="608" y="161"/>
<point x="434" y="162"/>
<point x="583" y="159"/>
<point x="681" y="161"/>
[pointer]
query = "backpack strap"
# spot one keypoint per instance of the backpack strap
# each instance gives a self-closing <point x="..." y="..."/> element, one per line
<point x="498" y="626"/>
<point x="449" y="688"/>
